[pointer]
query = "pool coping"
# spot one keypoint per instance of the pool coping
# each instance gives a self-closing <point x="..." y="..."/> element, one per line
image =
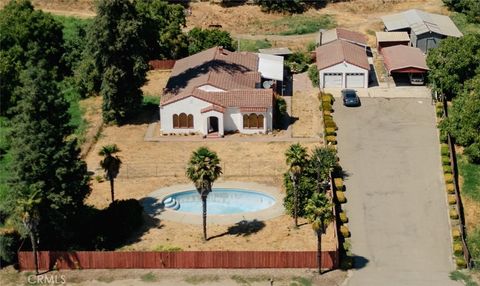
<point x="153" y="204"/>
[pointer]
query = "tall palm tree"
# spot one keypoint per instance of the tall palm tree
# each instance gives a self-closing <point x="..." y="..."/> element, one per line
<point x="319" y="211"/>
<point x="203" y="169"/>
<point x="297" y="158"/>
<point x="110" y="164"/>
<point x="323" y="160"/>
<point x="27" y="209"/>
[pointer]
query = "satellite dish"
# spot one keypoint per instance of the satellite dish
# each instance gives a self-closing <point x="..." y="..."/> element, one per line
<point x="267" y="84"/>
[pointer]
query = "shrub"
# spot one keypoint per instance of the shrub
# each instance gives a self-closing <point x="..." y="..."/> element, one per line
<point x="450" y="188"/>
<point x="313" y="75"/>
<point x="328" y="97"/>
<point x="445" y="160"/>
<point x="331" y="139"/>
<point x="452" y="199"/>
<point x="447" y="169"/>
<point x="460" y="261"/>
<point x="439" y="111"/>
<point x="453" y="214"/>
<point x="456" y="234"/>
<point x="457" y="248"/>
<point x="330" y="124"/>
<point x="117" y="222"/>
<point x="345" y="231"/>
<point x="341" y="197"/>
<point x="346" y="263"/>
<point x="443" y="136"/>
<point x="444" y="149"/>
<point x="343" y="217"/>
<point x="338" y="182"/>
<point x="327" y="106"/>
<point x="9" y="244"/>
<point x="448" y="178"/>
<point x="327" y="113"/>
<point x="330" y="131"/>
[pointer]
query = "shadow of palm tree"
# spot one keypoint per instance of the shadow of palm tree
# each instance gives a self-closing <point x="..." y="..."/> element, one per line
<point x="242" y="228"/>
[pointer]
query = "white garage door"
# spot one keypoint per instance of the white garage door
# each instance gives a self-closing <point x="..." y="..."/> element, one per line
<point x="355" y="80"/>
<point x="332" y="80"/>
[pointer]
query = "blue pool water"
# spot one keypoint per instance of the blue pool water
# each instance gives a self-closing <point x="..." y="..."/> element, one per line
<point x="220" y="201"/>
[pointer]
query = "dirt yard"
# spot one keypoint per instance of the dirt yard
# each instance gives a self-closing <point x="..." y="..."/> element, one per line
<point x="305" y="107"/>
<point x="181" y="277"/>
<point x="359" y="15"/>
<point x="156" y="82"/>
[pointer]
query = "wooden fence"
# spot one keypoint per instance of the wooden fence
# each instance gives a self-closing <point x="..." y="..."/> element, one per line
<point x="161" y="64"/>
<point x="49" y="260"/>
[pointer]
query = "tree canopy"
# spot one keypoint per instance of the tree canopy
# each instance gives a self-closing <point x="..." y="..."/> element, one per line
<point x="471" y="8"/>
<point x="118" y="53"/>
<point x="455" y="61"/>
<point x="463" y="122"/>
<point x="202" y="39"/>
<point x="27" y="35"/>
<point x="163" y="25"/>
<point x="44" y="161"/>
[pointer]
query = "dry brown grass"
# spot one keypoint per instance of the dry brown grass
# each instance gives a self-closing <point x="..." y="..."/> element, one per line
<point x="156" y="82"/>
<point x="305" y="107"/>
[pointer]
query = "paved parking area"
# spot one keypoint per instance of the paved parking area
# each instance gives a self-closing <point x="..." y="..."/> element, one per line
<point x="396" y="199"/>
<point x="388" y="92"/>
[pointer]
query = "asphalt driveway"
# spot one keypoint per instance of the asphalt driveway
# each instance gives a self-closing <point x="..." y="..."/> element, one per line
<point x="396" y="198"/>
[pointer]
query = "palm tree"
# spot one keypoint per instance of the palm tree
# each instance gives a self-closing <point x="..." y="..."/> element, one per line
<point x="110" y="164"/>
<point x="296" y="156"/>
<point x="319" y="211"/>
<point x="324" y="160"/>
<point x="27" y="209"/>
<point x="203" y="169"/>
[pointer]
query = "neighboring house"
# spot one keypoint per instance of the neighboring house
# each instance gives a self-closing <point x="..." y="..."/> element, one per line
<point x="404" y="60"/>
<point x="284" y="52"/>
<point x="325" y="37"/>
<point x="390" y="39"/>
<point x="342" y="64"/>
<point x="217" y="91"/>
<point x="426" y="30"/>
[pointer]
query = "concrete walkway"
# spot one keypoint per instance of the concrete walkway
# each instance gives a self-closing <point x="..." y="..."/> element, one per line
<point x="396" y="196"/>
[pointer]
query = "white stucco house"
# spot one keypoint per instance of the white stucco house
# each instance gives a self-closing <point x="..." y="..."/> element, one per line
<point x="342" y="64"/>
<point x="217" y="91"/>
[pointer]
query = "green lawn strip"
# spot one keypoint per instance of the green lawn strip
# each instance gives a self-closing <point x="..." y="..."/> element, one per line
<point x="69" y="23"/>
<point x="246" y="45"/>
<point x="301" y="24"/>
<point x="471" y="189"/>
<point x="464" y="25"/>
<point x="461" y="276"/>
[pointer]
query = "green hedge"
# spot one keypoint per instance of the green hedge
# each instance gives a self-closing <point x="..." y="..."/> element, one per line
<point x="460" y="261"/>
<point x="330" y="131"/>
<point x="457" y="248"/>
<point x="445" y="160"/>
<point x="456" y="234"/>
<point x="327" y="97"/>
<point x="330" y="124"/>
<point x="343" y="217"/>
<point x="447" y="169"/>
<point x="338" y="182"/>
<point x="444" y="149"/>
<point x="327" y="106"/>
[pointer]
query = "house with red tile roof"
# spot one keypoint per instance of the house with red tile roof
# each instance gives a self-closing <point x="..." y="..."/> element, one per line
<point x="342" y="64"/>
<point x="217" y="91"/>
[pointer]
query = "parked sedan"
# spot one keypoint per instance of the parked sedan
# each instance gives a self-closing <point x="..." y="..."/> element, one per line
<point x="350" y="97"/>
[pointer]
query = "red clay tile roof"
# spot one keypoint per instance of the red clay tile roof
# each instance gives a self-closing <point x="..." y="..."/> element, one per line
<point x="234" y="72"/>
<point x="400" y="57"/>
<point x="339" y="51"/>
<point x="351" y="36"/>
<point x="213" y="107"/>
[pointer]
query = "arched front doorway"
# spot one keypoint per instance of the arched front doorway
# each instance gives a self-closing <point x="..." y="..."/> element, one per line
<point x="212" y="124"/>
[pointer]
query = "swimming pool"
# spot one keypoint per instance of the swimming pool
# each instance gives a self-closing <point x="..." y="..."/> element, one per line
<point x="219" y="201"/>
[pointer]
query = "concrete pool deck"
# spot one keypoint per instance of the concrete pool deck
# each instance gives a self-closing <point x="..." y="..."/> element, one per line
<point x="153" y="205"/>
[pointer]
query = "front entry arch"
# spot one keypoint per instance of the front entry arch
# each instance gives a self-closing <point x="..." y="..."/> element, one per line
<point x="212" y="124"/>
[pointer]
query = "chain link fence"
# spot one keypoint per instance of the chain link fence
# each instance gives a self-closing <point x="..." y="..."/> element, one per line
<point x="177" y="169"/>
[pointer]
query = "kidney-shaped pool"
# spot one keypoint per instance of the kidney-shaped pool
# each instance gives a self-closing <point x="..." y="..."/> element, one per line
<point x="219" y="201"/>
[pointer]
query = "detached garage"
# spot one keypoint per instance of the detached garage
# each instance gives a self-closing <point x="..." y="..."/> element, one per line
<point x="402" y="60"/>
<point x="342" y="65"/>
